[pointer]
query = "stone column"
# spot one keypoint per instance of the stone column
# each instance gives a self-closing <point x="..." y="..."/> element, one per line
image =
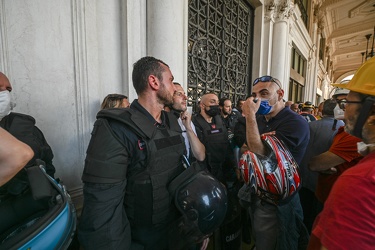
<point x="134" y="35"/>
<point x="167" y="28"/>
<point x="279" y="57"/>
<point x="267" y="38"/>
<point x="3" y="42"/>
<point x="260" y="60"/>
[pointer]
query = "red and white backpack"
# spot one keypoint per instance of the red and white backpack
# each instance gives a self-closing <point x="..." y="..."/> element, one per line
<point x="273" y="178"/>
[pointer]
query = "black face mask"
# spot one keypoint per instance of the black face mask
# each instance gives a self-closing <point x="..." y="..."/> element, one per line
<point x="213" y="111"/>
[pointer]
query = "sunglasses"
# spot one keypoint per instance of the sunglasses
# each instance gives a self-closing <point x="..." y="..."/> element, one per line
<point x="342" y="103"/>
<point x="266" y="79"/>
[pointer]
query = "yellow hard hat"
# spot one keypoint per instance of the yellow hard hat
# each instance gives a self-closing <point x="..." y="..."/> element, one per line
<point x="364" y="79"/>
<point x="307" y="105"/>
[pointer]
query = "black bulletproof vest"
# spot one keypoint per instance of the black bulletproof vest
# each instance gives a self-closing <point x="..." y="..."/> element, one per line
<point x="216" y="143"/>
<point x="147" y="200"/>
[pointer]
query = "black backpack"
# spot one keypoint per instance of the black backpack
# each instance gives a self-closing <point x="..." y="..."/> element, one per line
<point x="23" y="128"/>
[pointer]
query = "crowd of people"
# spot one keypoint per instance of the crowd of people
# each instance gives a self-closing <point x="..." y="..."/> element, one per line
<point x="138" y="149"/>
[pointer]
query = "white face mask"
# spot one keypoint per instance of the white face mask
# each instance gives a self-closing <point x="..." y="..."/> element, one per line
<point x="338" y="113"/>
<point x="5" y="105"/>
<point x="363" y="148"/>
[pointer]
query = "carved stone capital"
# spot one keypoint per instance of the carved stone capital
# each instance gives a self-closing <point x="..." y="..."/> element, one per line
<point x="279" y="10"/>
<point x="317" y="13"/>
<point x="270" y="11"/>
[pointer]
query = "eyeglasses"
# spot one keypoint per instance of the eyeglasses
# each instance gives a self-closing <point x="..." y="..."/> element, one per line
<point x="342" y="103"/>
<point x="266" y="79"/>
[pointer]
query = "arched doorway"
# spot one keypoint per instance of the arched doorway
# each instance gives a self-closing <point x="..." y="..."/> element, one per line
<point x="220" y="49"/>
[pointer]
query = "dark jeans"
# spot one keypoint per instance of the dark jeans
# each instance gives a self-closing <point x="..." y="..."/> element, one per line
<point x="278" y="227"/>
<point x="311" y="207"/>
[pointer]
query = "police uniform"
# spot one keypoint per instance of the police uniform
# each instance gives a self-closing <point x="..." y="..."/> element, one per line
<point x="214" y="137"/>
<point x="131" y="159"/>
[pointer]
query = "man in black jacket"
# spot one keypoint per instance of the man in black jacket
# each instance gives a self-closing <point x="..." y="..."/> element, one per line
<point x="132" y="157"/>
<point x="213" y="133"/>
<point x="23" y="127"/>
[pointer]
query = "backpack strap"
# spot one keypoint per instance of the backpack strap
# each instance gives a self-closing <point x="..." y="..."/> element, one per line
<point x="185" y="176"/>
<point x="39" y="183"/>
<point x="126" y="117"/>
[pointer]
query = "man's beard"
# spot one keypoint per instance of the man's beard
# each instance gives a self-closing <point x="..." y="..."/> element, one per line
<point x="164" y="96"/>
<point x="179" y="108"/>
<point x="226" y="113"/>
<point x="350" y="124"/>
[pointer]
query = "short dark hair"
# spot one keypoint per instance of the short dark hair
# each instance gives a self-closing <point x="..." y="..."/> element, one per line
<point x="328" y="107"/>
<point x="222" y="100"/>
<point x="239" y="101"/>
<point x="143" y="68"/>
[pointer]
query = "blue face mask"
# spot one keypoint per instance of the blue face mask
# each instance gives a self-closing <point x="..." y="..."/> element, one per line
<point x="264" y="108"/>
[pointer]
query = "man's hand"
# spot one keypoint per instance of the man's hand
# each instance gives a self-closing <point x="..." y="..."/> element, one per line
<point x="244" y="148"/>
<point x="269" y="133"/>
<point x="205" y="243"/>
<point x="186" y="119"/>
<point x="329" y="171"/>
<point x="250" y="106"/>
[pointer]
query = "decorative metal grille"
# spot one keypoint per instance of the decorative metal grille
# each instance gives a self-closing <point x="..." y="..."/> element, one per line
<point x="220" y="42"/>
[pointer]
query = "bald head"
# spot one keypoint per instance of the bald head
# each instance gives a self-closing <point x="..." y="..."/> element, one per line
<point x="4" y="83"/>
<point x="210" y="99"/>
<point x="209" y="105"/>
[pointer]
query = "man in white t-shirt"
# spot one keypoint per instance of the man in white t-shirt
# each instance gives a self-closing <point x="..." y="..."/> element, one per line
<point x="194" y="148"/>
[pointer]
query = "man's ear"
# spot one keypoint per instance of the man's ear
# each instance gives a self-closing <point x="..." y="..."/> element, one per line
<point x="371" y="120"/>
<point x="372" y="113"/>
<point x="280" y="93"/>
<point x="201" y="105"/>
<point x="153" y="82"/>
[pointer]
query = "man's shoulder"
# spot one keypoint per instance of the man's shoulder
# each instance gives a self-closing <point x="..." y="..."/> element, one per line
<point x="343" y="136"/>
<point x="17" y="122"/>
<point x="308" y="117"/>
<point x="363" y="168"/>
<point x="233" y="117"/>
<point x="127" y="116"/>
<point x="120" y="120"/>
<point x="292" y="124"/>
<point x="289" y="115"/>
<point x="235" y="114"/>
<point x="196" y="119"/>
<point x="322" y="122"/>
<point x="19" y="116"/>
<point x="115" y="113"/>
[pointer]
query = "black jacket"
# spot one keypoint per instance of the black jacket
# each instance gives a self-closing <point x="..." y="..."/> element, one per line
<point x="130" y="162"/>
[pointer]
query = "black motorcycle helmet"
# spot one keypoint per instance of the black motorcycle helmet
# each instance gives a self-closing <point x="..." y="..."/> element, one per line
<point x="202" y="200"/>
